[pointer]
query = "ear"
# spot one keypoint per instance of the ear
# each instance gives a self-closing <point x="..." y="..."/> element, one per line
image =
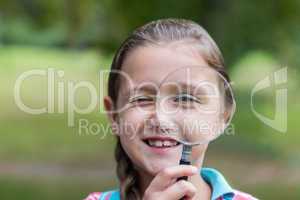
<point x="226" y="116"/>
<point x="110" y="112"/>
<point x="229" y="113"/>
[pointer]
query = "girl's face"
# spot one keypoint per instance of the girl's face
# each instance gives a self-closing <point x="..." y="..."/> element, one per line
<point x="140" y="130"/>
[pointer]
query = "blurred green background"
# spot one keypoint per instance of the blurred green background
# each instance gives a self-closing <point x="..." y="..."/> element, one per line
<point x="42" y="158"/>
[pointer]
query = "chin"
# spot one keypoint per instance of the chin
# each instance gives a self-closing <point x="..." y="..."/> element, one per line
<point x="155" y="167"/>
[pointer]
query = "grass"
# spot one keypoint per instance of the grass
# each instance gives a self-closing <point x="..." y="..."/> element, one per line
<point x="48" y="136"/>
<point x="275" y="191"/>
<point x="20" y="58"/>
<point x="45" y="138"/>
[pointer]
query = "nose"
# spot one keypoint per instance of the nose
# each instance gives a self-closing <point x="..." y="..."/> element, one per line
<point x="160" y="123"/>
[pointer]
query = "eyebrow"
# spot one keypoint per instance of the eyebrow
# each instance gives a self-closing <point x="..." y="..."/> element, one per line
<point x="146" y="89"/>
<point x="193" y="88"/>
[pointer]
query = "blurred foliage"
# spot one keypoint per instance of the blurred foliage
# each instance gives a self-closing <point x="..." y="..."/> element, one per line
<point x="237" y="26"/>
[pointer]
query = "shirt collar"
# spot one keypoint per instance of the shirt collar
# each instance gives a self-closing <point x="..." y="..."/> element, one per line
<point x="218" y="184"/>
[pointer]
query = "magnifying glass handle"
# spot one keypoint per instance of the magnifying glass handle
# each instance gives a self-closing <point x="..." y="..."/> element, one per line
<point x="183" y="162"/>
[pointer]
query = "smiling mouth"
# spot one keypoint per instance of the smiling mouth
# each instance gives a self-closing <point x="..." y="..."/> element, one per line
<point x="160" y="142"/>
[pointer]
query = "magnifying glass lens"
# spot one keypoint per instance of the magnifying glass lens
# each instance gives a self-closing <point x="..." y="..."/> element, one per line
<point x="199" y="100"/>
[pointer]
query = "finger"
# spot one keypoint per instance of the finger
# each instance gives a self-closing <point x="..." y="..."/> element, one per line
<point x="179" y="190"/>
<point x="164" y="178"/>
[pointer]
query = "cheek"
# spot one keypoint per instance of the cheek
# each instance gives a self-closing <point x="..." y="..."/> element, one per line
<point x="130" y="145"/>
<point x="131" y="123"/>
<point x="198" y="154"/>
<point x="131" y="126"/>
<point x="202" y="127"/>
<point x="132" y="150"/>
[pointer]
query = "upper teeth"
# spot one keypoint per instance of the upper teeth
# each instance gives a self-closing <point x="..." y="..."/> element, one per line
<point x="162" y="143"/>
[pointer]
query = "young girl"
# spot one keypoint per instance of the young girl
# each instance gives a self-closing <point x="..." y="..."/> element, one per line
<point x="146" y="171"/>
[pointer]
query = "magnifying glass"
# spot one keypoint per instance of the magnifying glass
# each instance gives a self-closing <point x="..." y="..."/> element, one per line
<point x="200" y="101"/>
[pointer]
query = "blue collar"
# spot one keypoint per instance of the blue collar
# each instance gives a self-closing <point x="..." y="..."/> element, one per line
<point x="217" y="182"/>
<point x="214" y="178"/>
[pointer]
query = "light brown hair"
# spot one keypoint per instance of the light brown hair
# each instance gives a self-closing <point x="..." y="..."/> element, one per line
<point x="157" y="32"/>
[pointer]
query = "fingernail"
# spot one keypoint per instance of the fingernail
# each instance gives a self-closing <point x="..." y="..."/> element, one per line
<point x="194" y="169"/>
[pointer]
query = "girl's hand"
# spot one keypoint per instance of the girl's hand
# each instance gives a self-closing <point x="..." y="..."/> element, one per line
<point x="165" y="187"/>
